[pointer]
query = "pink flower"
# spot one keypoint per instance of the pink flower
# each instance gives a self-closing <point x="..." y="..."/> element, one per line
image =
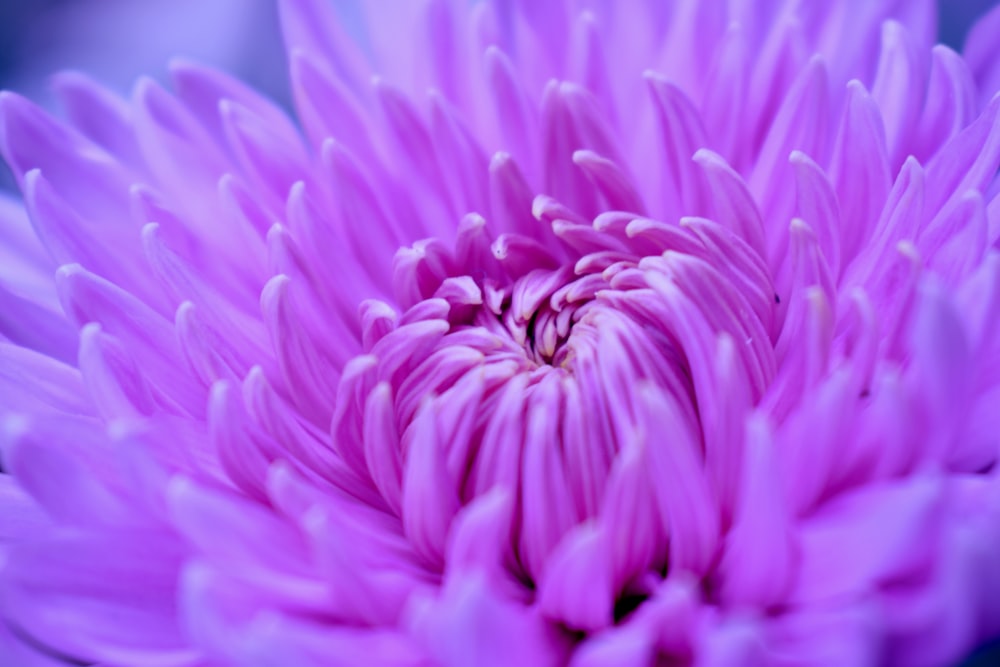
<point x="647" y="333"/>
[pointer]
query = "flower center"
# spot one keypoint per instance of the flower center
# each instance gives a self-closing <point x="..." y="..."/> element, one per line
<point x="548" y="369"/>
<point x="542" y="311"/>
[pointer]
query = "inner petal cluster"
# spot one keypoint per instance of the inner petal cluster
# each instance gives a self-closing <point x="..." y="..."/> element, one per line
<point x="573" y="375"/>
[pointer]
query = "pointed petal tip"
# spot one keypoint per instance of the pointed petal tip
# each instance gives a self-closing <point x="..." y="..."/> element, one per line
<point x="11" y="106"/>
<point x="219" y="391"/>
<point x="652" y="76"/>
<point x="816" y="61"/>
<point x="33" y="180"/>
<point x="471" y="221"/>
<point x="582" y="155"/>
<point x="150" y="232"/>
<point x="640" y="225"/>
<point x="706" y="157"/>
<point x="331" y="150"/>
<point x="381" y="391"/>
<point x="493" y="52"/>
<point x="179" y="491"/>
<point x="499" y="160"/>
<point x="88" y="332"/>
<point x="275" y="232"/>
<point x="121" y="429"/>
<point x="144" y="89"/>
<point x="256" y="375"/>
<point x="279" y="281"/>
<point x="69" y="272"/>
<point x="274" y="291"/>
<point x="856" y="88"/>
<point x="13" y="426"/>
<point x="229" y="110"/>
<point x="185" y="311"/>
<point x="499" y="247"/>
<point x="570" y="88"/>
<point x="797" y="157"/>
<point x="297" y="191"/>
<point x="800" y="227"/>
<point x="908" y="250"/>
<point x="70" y="80"/>
<point x="185" y="66"/>
<point x="543" y="206"/>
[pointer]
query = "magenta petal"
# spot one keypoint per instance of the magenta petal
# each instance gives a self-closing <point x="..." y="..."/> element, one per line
<point x="429" y="495"/>
<point x="327" y="107"/>
<point x="632" y="530"/>
<point x="799" y="125"/>
<point x="71" y="238"/>
<point x="480" y="534"/>
<point x="682" y="137"/>
<point x="31" y="325"/>
<point x="55" y="386"/>
<point x="839" y="634"/>
<point x="955" y="241"/>
<point x="274" y="641"/>
<point x="203" y="89"/>
<point x="614" y="184"/>
<point x="860" y="148"/>
<point x="732" y="643"/>
<point x="621" y="648"/>
<point x="382" y="445"/>
<point x="112" y="378"/>
<point x="544" y="484"/>
<point x="967" y="162"/>
<point x="925" y="633"/>
<point x="897" y="72"/>
<point x="457" y="148"/>
<point x="951" y="101"/>
<point x="274" y="158"/>
<point x="101" y="116"/>
<point x="371" y="578"/>
<point x="306" y="368"/>
<point x="144" y="333"/>
<point x="92" y="583"/>
<point x="943" y="362"/>
<point x="734" y="206"/>
<point x="470" y="624"/>
<point x="311" y="27"/>
<point x="981" y="53"/>
<point x="517" y="114"/>
<point x="57" y="462"/>
<point x="254" y="536"/>
<point x="758" y="561"/>
<point x="577" y="588"/>
<point x="818" y="206"/>
<point x="14" y="650"/>
<point x="869" y="537"/>
<point x="86" y="176"/>
<point x="686" y="506"/>
<point x="21" y="515"/>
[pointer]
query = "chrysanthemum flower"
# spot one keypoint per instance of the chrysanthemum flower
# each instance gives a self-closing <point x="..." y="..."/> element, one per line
<point x="587" y="333"/>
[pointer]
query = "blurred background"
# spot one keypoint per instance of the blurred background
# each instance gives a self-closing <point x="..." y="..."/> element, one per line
<point x="119" y="40"/>
<point x="116" y="41"/>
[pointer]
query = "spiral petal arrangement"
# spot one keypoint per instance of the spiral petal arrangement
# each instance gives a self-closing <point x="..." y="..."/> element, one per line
<point x="573" y="332"/>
